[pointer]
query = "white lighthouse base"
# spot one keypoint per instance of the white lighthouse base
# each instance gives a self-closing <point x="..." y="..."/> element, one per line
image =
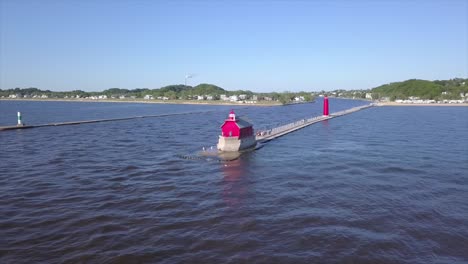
<point x="236" y="144"/>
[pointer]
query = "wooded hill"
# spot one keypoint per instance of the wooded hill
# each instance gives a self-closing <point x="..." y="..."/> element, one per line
<point x="171" y="92"/>
<point x="179" y="91"/>
<point x="434" y="90"/>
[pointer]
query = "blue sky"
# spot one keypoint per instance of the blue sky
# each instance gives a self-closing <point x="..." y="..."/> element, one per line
<point x="256" y="45"/>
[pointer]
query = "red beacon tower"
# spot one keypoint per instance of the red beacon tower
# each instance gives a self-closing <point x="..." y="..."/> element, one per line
<point x="325" y="106"/>
<point x="236" y="134"/>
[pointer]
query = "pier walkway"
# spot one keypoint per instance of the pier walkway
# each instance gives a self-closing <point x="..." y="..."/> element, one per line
<point x="2" y="128"/>
<point x="265" y="135"/>
<point x="276" y="132"/>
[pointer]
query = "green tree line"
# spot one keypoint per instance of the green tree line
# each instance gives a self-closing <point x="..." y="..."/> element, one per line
<point x="172" y="92"/>
<point x="433" y="90"/>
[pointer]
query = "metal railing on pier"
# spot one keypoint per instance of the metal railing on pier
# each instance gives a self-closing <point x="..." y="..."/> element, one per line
<point x="269" y="134"/>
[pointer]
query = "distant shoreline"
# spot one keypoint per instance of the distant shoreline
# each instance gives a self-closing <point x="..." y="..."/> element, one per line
<point x="185" y="102"/>
<point x="191" y="102"/>
<point x="406" y="104"/>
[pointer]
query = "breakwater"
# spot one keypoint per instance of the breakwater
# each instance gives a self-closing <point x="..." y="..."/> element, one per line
<point x="3" y="128"/>
<point x="270" y="134"/>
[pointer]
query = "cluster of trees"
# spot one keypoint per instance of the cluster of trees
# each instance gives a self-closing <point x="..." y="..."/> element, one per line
<point x="186" y="92"/>
<point x="433" y="90"/>
<point x="30" y="92"/>
<point x="171" y="92"/>
<point x="355" y="94"/>
<point x="287" y="97"/>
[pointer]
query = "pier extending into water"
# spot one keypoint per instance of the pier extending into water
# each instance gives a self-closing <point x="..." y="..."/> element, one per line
<point x="270" y="134"/>
<point x="263" y="136"/>
<point x="21" y="126"/>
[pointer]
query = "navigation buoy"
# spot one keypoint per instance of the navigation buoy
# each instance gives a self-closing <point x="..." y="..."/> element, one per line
<point x="19" y="120"/>
<point x="325" y="106"/>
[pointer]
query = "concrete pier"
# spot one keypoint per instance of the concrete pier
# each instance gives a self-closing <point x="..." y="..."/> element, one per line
<point x="3" y="128"/>
<point x="277" y="132"/>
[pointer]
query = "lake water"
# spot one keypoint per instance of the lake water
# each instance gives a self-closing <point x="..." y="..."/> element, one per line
<point x="382" y="185"/>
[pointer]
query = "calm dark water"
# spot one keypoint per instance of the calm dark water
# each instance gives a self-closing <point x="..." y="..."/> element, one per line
<point x="383" y="185"/>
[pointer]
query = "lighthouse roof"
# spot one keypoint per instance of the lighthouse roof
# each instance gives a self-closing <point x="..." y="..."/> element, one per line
<point x="241" y="123"/>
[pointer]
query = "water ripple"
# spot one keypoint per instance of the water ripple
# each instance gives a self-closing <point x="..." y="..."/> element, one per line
<point x="333" y="192"/>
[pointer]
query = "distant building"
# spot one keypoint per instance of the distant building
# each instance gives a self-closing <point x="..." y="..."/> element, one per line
<point x="369" y="96"/>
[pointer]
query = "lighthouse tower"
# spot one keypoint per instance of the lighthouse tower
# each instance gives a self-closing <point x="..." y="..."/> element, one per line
<point x="325" y="106"/>
<point x="236" y="134"/>
<point x="232" y="116"/>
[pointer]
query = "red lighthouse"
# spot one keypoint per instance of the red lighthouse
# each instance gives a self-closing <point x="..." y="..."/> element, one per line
<point x="236" y="134"/>
<point x="325" y="106"/>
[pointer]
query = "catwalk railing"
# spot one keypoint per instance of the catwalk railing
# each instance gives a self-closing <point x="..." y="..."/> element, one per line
<point x="269" y="134"/>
